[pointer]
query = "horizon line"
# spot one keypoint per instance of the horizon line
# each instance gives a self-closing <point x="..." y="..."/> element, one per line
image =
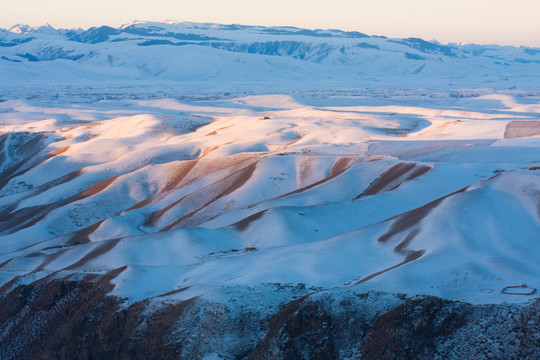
<point x="174" y="22"/>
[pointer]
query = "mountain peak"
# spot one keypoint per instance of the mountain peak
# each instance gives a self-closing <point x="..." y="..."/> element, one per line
<point x="24" y="29"/>
<point x="20" y="29"/>
<point x="131" y="23"/>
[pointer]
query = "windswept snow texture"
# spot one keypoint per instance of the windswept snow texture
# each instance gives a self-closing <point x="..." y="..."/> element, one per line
<point x="187" y="157"/>
<point x="431" y="196"/>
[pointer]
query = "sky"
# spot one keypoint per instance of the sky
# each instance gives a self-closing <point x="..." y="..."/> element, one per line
<point x="508" y="22"/>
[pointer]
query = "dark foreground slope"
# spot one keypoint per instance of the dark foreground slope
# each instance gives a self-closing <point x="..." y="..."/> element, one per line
<point x="76" y="319"/>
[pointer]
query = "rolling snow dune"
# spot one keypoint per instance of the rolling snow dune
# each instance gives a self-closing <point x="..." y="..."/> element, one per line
<point x="428" y="199"/>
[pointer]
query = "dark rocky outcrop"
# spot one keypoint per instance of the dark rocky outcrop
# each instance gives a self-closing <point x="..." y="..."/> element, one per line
<point x="68" y="318"/>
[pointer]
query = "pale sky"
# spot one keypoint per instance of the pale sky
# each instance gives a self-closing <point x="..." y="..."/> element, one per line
<point x="508" y="22"/>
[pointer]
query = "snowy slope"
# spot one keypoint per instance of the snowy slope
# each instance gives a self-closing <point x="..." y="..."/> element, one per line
<point x="428" y="194"/>
<point x="194" y="156"/>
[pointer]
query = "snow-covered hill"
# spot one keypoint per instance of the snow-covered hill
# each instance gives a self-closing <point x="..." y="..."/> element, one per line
<point x="434" y="196"/>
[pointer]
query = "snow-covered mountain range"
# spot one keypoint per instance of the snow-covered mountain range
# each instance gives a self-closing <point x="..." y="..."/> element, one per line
<point x="163" y="52"/>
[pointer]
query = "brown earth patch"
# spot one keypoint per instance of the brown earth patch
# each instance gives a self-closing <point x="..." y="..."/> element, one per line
<point x="142" y="203"/>
<point x="29" y="158"/>
<point x="517" y="129"/>
<point x="102" y="248"/>
<point x="403" y="222"/>
<point x="58" y="151"/>
<point x="96" y="188"/>
<point x="206" y="150"/>
<point x="24" y="218"/>
<point x="32" y="146"/>
<point x="49" y="259"/>
<point x="18" y="169"/>
<point x="91" y="137"/>
<point x="240" y="178"/>
<point x="176" y="180"/>
<point x="155" y="216"/>
<point x="393" y="175"/>
<point x="305" y="167"/>
<point x="411" y="257"/>
<point x="245" y="222"/>
<point x="176" y="291"/>
<point x="180" y="174"/>
<point x="7" y="286"/>
<point x="409" y="219"/>
<point x="5" y="263"/>
<point x="387" y="177"/>
<point x="372" y="158"/>
<point x="340" y="166"/>
<point x="215" y="191"/>
<point x="11" y="222"/>
<point x="418" y="170"/>
<point x="83" y="236"/>
<point x="228" y="164"/>
<point x="401" y="247"/>
<point x="294" y="141"/>
<point x="59" y="181"/>
<point x="7" y="213"/>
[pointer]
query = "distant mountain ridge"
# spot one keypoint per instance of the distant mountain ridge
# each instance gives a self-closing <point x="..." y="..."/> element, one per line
<point x="151" y="50"/>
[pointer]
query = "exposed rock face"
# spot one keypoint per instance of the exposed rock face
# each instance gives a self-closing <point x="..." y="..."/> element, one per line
<point x="77" y="319"/>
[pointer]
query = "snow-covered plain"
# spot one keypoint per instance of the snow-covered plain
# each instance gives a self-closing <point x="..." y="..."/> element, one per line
<point x="213" y="156"/>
